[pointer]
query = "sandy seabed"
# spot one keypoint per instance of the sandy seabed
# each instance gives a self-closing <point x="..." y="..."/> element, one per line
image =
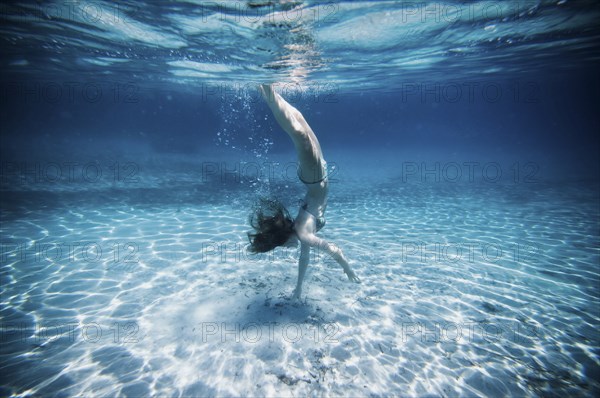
<point x="468" y="289"/>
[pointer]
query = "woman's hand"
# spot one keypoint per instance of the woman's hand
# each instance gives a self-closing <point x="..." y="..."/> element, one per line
<point x="352" y="276"/>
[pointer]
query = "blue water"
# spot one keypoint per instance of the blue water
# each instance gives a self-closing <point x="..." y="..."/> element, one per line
<point x="462" y="145"/>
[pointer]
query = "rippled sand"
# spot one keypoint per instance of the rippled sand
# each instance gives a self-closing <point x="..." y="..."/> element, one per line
<point x="468" y="288"/>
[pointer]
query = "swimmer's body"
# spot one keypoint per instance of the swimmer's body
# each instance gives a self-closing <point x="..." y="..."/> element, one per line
<point x="312" y="171"/>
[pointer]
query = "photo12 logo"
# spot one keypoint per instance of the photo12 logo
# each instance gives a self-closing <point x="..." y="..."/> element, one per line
<point x="50" y="92"/>
<point x="267" y="12"/>
<point x="90" y="12"/>
<point x="467" y="332"/>
<point x="471" y="171"/>
<point x="467" y="252"/>
<point x="27" y="173"/>
<point x="471" y="92"/>
<point x="254" y="332"/>
<point x="226" y="172"/>
<point x="89" y="332"/>
<point x="113" y="255"/>
<point x="315" y="92"/>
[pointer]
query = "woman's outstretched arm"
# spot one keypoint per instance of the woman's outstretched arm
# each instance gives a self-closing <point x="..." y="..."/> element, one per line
<point x="312" y="241"/>
<point x="334" y="251"/>
<point x="302" y="265"/>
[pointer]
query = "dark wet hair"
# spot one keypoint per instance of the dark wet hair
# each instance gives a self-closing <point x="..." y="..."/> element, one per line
<point x="272" y="224"/>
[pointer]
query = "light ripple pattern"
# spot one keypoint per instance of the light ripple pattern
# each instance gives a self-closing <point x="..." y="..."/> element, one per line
<point x="468" y="289"/>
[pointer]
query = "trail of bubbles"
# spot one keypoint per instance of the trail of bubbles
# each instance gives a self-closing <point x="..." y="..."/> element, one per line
<point x="244" y="129"/>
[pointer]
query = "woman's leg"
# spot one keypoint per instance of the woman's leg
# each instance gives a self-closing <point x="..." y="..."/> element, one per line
<point x="307" y="146"/>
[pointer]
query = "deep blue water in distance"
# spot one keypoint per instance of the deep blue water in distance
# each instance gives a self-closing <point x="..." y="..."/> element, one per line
<point x="462" y="141"/>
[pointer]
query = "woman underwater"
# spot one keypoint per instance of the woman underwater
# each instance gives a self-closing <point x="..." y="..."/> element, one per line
<point x="272" y="222"/>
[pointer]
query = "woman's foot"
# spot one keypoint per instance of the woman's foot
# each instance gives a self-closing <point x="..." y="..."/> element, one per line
<point x="267" y="92"/>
